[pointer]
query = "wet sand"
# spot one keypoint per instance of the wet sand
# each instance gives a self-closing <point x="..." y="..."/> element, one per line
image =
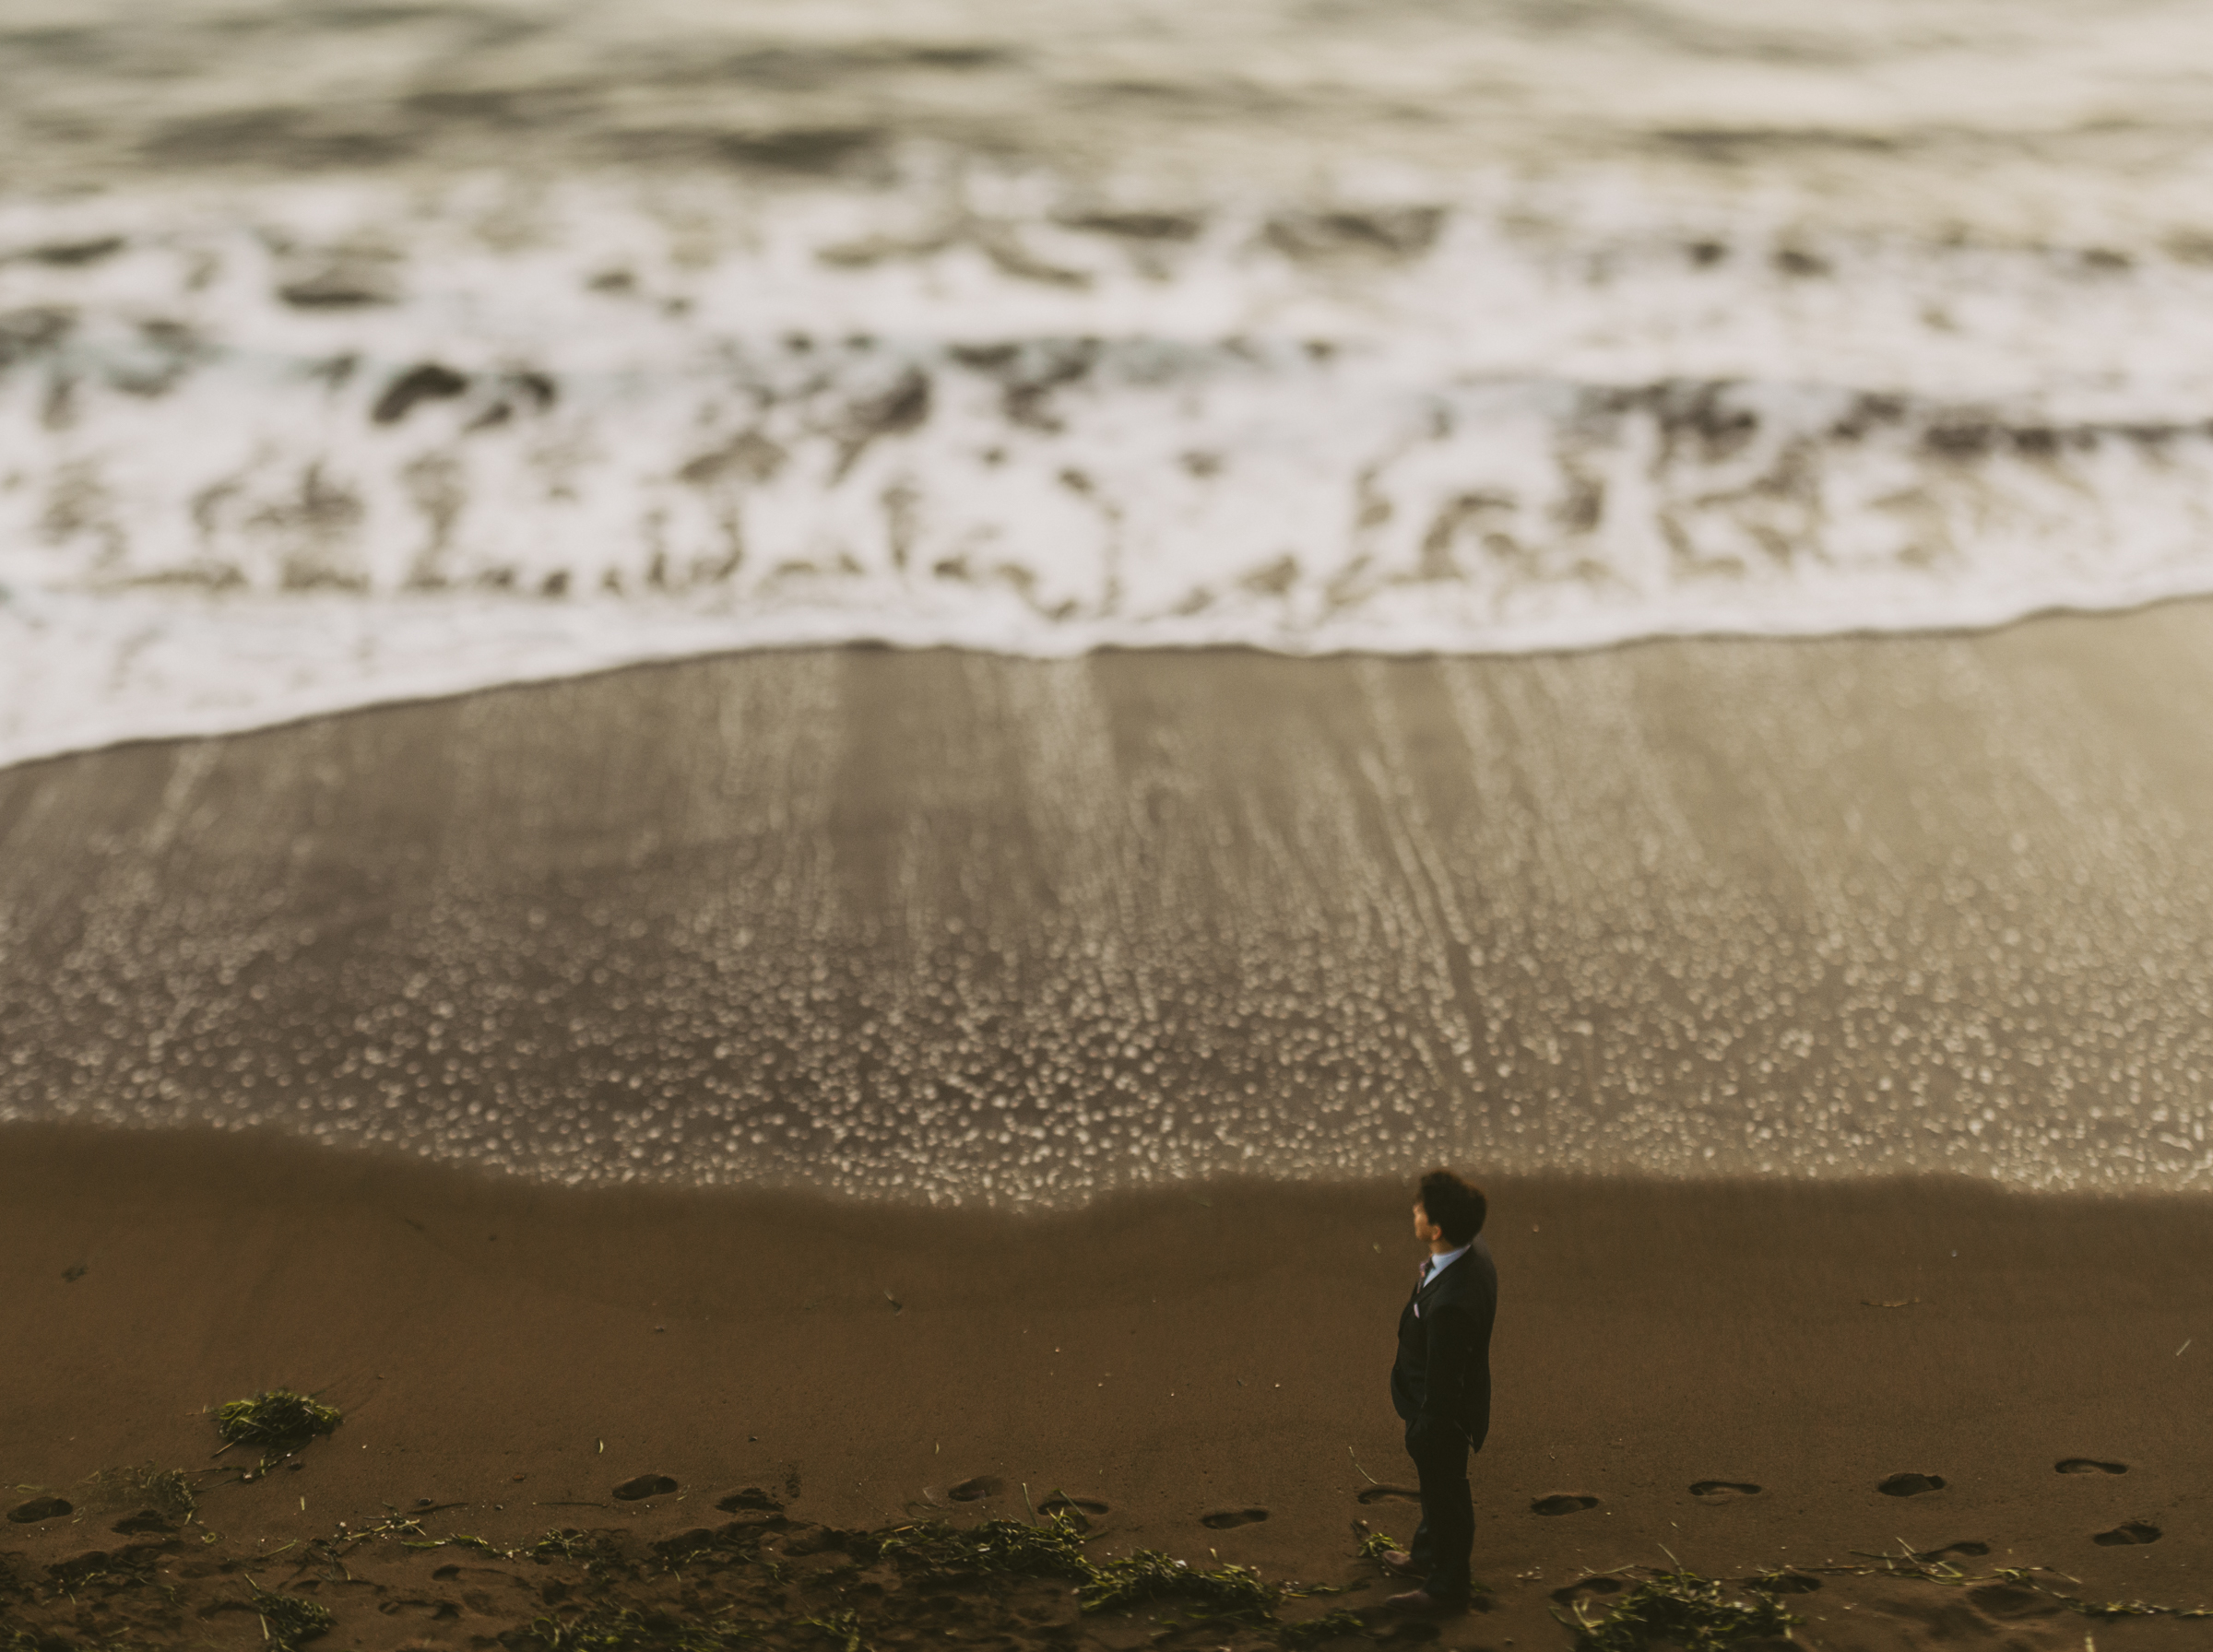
<point x="1167" y="1356"/>
<point x="947" y="928"/>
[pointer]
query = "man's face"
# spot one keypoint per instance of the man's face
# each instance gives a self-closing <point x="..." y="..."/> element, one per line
<point x="1423" y="1228"/>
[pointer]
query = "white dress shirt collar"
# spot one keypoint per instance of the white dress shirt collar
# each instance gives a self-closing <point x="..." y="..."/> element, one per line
<point x="1438" y="1264"/>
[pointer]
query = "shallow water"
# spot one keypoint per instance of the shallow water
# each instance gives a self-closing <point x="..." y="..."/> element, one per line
<point x="355" y="351"/>
<point x="954" y="928"/>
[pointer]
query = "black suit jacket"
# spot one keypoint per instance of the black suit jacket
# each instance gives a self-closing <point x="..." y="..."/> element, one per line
<point x="1442" y="1375"/>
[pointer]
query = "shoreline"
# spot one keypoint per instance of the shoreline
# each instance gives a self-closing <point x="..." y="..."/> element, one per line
<point x="947" y="928"/>
<point x="215" y="728"/>
<point x="1169" y="1357"/>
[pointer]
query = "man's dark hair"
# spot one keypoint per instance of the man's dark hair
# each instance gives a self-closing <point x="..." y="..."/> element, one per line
<point x="1453" y="1205"/>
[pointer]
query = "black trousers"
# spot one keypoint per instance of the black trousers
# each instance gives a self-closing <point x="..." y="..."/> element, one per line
<point x="1444" y="1542"/>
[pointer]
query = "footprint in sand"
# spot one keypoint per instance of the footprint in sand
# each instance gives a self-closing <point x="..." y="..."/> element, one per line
<point x="1724" y="1491"/>
<point x="1389" y="1494"/>
<point x="1078" y="1509"/>
<point x="1965" y="1548"/>
<point x="1583" y="1588"/>
<point x="145" y="1522"/>
<point x="1910" y="1485"/>
<point x="977" y="1489"/>
<point x="1785" y="1582"/>
<point x="645" y="1486"/>
<point x="2134" y="1531"/>
<point x="40" y="1508"/>
<point x="2088" y="1465"/>
<point x="1057" y="1503"/>
<point x="2011" y="1600"/>
<point x="1564" y="1503"/>
<point x="1222" y="1519"/>
<point x="751" y="1497"/>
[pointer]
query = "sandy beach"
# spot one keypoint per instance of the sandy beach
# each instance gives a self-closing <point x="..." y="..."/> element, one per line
<point x="910" y="1076"/>
<point x="768" y="770"/>
<point x="1202" y="1371"/>
<point x="946" y="927"/>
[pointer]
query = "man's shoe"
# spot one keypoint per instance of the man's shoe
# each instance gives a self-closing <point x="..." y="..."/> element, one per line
<point x="1422" y="1603"/>
<point x="1399" y="1560"/>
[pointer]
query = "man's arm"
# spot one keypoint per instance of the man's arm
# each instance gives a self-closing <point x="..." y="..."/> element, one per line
<point x="1451" y="1350"/>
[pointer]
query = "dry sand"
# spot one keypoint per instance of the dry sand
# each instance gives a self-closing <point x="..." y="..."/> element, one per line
<point x="1171" y="1357"/>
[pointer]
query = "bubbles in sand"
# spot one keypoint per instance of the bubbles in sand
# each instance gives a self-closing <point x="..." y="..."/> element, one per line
<point x="819" y="933"/>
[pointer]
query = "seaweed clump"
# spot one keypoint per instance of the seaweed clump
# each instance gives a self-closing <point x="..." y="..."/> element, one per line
<point x="1909" y="1564"/>
<point x="625" y="1629"/>
<point x="286" y="1620"/>
<point x="841" y="1627"/>
<point x="1053" y="1548"/>
<point x="2108" y="1610"/>
<point x="1299" y="1637"/>
<point x="1147" y="1575"/>
<point x="1375" y="1546"/>
<point x="279" y="1417"/>
<point x="1682" y="1609"/>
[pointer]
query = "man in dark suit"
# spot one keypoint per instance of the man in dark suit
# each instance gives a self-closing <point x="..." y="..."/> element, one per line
<point x="1441" y="1385"/>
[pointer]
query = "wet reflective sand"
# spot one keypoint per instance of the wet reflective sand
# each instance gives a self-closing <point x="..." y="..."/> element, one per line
<point x="937" y="927"/>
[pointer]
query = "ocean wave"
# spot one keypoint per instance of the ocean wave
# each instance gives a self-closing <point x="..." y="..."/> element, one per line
<point x="281" y="450"/>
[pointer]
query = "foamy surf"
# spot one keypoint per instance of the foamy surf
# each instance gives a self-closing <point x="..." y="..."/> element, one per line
<point x="285" y="450"/>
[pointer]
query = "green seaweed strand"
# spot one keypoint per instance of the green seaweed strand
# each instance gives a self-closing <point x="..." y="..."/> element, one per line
<point x="278" y="1417"/>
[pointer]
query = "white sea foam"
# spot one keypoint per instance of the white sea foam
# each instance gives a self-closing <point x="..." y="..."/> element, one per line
<point x="274" y="446"/>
